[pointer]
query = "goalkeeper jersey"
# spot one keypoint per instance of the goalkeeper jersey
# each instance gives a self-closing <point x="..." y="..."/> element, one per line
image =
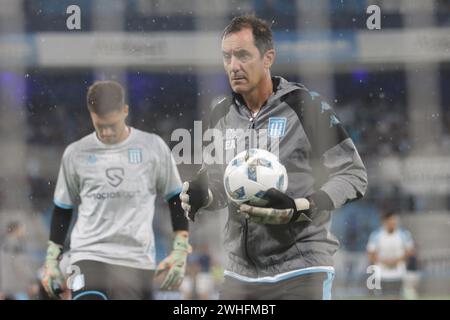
<point x="114" y="188"/>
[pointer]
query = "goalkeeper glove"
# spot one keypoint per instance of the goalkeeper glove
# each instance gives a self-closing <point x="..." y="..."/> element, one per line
<point x="175" y="263"/>
<point x="53" y="279"/>
<point x="280" y="209"/>
<point x="195" y="194"/>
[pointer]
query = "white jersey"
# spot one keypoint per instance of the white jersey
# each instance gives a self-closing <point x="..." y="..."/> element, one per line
<point x="390" y="246"/>
<point x="114" y="187"/>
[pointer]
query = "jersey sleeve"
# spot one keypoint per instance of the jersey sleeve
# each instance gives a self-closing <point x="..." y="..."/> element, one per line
<point x="67" y="189"/>
<point x="372" y="244"/>
<point x="343" y="176"/>
<point x="215" y="184"/>
<point x="169" y="182"/>
<point x="407" y="240"/>
<point x="216" y="170"/>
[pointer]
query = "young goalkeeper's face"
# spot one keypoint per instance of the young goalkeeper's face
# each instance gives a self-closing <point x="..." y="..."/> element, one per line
<point x="245" y="66"/>
<point x="111" y="127"/>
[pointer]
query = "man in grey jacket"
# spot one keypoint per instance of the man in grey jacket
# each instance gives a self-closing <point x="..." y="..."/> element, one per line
<point x="284" y="250"/>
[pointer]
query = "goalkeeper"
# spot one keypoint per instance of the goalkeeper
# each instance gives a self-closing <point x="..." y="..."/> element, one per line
<point x="285" y="250"/>
<point x="113" y="176"/>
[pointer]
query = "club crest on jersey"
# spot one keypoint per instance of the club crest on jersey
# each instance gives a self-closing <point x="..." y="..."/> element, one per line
<point x="135" y="155"/>
<point x="277" y="127"/>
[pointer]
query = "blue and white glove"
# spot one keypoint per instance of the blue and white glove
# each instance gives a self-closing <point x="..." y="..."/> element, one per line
<point x="53" y="280"/>
<point x="175" y="264"/>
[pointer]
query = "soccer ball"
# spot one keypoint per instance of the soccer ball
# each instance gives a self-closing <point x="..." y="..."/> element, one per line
<point x="251" y="173"/>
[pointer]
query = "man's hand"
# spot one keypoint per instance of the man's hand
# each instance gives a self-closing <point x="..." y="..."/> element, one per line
<point x="175" y="263"/>
<point x="195" y="194"/>
<point x="53" y="280"/>
<point x="280" y="209"/>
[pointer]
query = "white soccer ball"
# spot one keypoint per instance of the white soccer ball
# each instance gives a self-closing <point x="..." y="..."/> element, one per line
<point x="251" y="173"/>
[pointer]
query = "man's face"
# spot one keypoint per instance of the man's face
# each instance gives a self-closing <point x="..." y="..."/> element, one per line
<point x="110" y="128"/>
<point x="391" y="223"/>
<point x="243" y="63"/>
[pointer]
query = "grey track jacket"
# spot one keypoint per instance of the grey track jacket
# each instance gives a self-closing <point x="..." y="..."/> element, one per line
<point x="320" y="158"/>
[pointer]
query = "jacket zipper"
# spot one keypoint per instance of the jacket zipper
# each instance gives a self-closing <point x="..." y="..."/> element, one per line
<point x="251" y="126"/>
<point x="246" y="246"/>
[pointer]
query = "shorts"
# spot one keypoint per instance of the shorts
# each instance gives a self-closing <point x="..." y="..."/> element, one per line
<point x="102" y="281"/>
<point x="391" y="288"/>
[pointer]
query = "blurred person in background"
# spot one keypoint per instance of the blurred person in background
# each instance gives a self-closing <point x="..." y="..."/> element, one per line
<point x="199" y="283"/>
<point x="15" y="271"/>
<point x="284" y="250"/>
<point x="389" y="248"/>
<point x="113" y="176"/>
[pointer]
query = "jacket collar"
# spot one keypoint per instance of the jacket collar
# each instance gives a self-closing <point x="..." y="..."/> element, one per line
<point x="280" y="88"/>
